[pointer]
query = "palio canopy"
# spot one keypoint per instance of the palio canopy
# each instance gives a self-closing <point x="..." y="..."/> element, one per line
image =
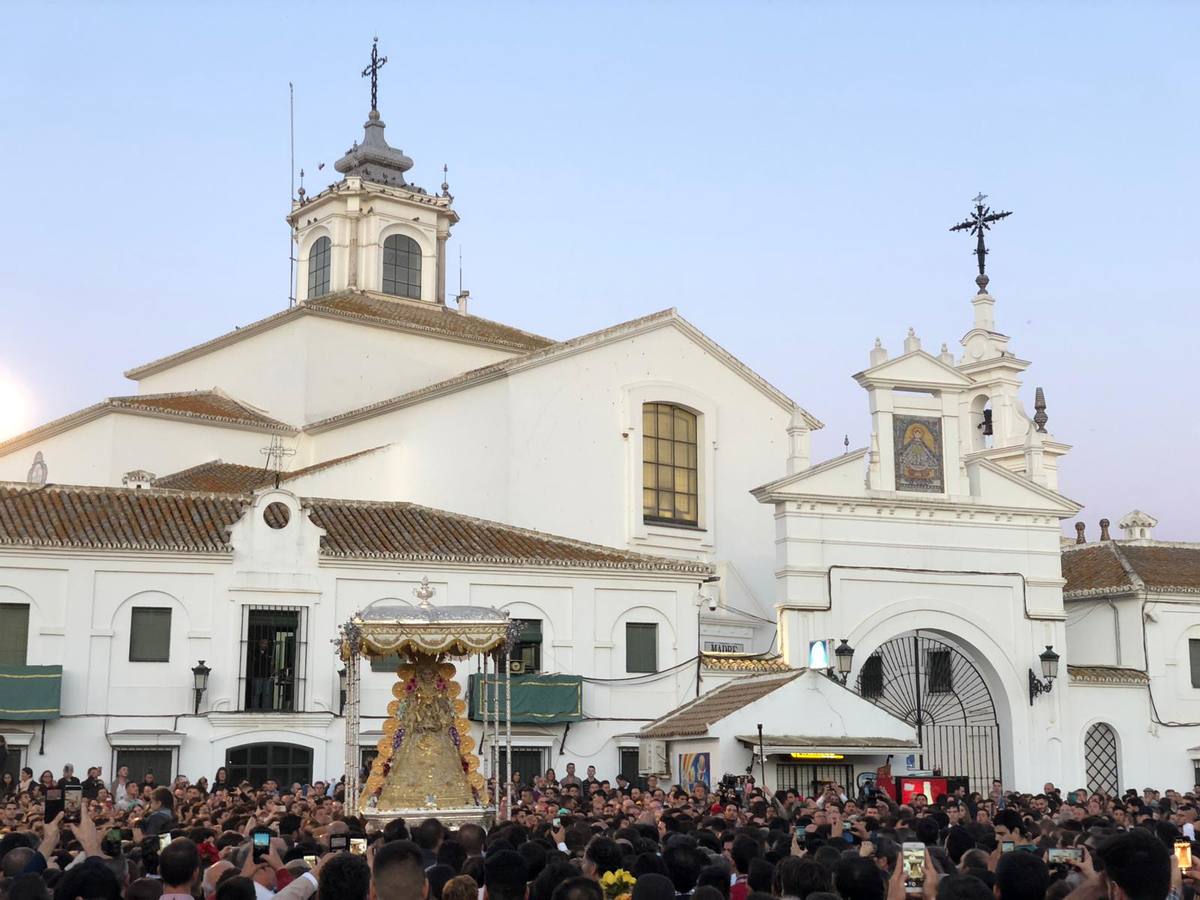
<point x="434" y="630"/>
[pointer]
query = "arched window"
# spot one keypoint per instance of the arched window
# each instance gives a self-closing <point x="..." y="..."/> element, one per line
<point x="670" y="490"/>
<point x="318" y="268"/>
<point x="402" y="267"/>
<point x="1100" y="759"/>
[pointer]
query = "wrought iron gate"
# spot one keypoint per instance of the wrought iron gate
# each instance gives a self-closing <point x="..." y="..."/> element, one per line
<point x="936" y="688"/>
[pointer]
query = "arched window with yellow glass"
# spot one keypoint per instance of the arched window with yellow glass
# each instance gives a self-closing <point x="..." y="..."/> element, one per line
<point x="670" y="472"/>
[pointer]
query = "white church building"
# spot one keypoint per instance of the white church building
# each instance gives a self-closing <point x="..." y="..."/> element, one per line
<point x="642" y="500"/>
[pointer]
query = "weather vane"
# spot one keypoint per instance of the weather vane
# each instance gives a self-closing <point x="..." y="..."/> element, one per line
<point x="981" y="220"/>
<point x="377" y="63"/>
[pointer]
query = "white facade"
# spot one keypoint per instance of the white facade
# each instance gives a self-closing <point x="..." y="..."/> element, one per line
<point x="80" y="604"/>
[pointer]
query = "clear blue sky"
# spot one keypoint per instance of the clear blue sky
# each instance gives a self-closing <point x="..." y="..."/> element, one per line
<point x="784" y="173"/>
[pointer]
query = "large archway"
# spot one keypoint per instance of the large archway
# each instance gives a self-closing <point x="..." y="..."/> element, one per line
<point x="936" y="687"/>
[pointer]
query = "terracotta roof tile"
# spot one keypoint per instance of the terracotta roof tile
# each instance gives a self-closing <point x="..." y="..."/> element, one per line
<point x="1164" y="567"/>
<point x="428" y="317"/>
<point x="1110" y="567"/>
<point x="736" y="662"/>
<point x="222" y="477"/>
<point x="1107" y="675"/>
<point x="1094" y="568"/>
<point x="694" y="718"/>
<point x="152" y="519"/>
<point x="209" y="406"/>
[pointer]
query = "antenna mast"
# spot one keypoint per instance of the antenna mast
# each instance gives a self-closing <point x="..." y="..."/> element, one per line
<point x="292" y="198"/>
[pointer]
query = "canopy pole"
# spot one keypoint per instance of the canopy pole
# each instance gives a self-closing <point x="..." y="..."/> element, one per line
<point x="508" y="721"/>
<point x="353" y="756"/>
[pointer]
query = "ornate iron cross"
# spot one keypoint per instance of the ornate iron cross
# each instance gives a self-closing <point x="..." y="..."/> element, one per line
<point x="979" y="222"/>
<point x="377" y="63"/>
<point x="275" y="454"/>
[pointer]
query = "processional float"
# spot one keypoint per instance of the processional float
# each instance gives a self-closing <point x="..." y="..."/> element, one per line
<point x="425" y="766"/>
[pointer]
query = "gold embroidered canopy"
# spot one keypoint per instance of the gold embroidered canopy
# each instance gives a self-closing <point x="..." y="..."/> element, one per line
<point x="448" y="631"/>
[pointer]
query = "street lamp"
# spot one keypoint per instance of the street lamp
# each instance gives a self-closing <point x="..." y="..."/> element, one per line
<point x="845" y="659"/>
<point x="1049" y="660"/>
<point x="341" y="690"/>
<point x="200" y="682"/>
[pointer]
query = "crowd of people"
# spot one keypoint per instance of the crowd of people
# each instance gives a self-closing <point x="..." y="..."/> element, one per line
<point x="583" y="838"/>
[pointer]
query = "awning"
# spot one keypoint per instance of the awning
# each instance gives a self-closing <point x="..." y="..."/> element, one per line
<point x="536" y="699"/>
<point x="30" y="692"/>
<point x="832" y="744"/>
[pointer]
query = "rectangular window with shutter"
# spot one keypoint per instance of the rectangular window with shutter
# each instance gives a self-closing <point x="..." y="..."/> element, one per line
<point x="641" y="647"/>
<point x="938" y="676"/>
<point x="528" y="650"/>
<point x="1194" y="654"/>
<point x="14" y="633"/>
<point x="149" y="634"/>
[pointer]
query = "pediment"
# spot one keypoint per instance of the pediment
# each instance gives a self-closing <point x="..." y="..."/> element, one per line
<point x="995" y="485"/>
<point x="915" y="369"/>
<point x="841" y="476"/>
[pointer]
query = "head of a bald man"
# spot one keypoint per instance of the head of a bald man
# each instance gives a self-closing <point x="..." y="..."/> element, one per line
<point x="399" y="873"/>
<point x="213" y="874"/>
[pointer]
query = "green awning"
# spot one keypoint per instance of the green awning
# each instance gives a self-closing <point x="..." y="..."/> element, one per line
<point x="30" y="692"/>
<point x="536" y="699"/>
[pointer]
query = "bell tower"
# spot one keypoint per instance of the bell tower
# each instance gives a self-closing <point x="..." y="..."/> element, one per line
<point x="373" y="231"/>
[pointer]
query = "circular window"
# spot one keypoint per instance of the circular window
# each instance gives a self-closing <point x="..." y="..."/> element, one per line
<point x="277" y="515"/>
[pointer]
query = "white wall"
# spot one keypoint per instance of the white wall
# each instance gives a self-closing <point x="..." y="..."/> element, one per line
<point x="557" y="447"/>
<point x="80" y="607"/>
<point x="311" y="368"/>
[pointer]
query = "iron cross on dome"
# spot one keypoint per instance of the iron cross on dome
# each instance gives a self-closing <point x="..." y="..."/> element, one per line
<point x="980" y="221"/>
<point x="377" y="63"/>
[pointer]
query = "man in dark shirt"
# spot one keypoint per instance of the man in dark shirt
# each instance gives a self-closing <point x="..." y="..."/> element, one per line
<point x="92" y="784"/>
<point x="262" y="676"/>
<point x="68" y="777"/>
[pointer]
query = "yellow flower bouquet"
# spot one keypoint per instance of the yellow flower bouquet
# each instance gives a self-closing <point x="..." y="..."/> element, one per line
<point x="617" y="885"/>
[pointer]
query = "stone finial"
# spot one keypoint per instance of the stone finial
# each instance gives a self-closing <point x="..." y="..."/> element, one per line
<point x="911" y="342"/>
<point x="1104" y="523"/>
<point x="1079" y="537"/>
<point x="879" y="353"/>
<point x="945" y="355"/>
<point x="1039" y="405"/>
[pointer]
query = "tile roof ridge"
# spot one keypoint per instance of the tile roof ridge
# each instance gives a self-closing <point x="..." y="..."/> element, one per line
<point x="741" y="680"/>
<point x="631" y="555"/>
<point x="330" y="463"/>
<point x="1134" y="578"/>
<point x="502" y="365"/>
<point x="93" y="489"/>
<point x="145" y="367"/>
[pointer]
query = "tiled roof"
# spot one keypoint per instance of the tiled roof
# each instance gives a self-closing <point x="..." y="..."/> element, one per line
<point x="420" y="316"/>
<point x="694" y="718"/>
<point x="1094" y="568"/>
<point x="369" y="309"/>
<point x="823" y="741"/>
<point x="553" y="351"/>
<point x="1163" y="566"/>
<point x="737" y="662"/>
<point x="222" y="477"/>
<point x="1107" y="675"/>
<point x="152" y="519"/>
<point x="1110" y="567"/>
<point x="207" y="406"/>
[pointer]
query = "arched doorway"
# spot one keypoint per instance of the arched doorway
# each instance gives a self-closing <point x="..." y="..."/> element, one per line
<point x="1100" y="759"/>
<point x="936" y="687"/>
<point x="284" y="764"/>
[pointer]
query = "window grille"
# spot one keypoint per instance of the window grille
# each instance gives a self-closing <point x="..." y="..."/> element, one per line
<point x="871" y="683"/>
<point x="939" y="678"/>
<point x="528" y="649"/>
<point x="670" y="469"/>
<point x="14" y="633"/>
<point x="1100" y="759"/>
<point x="149" y="634"/>
<point x="641" y="647"/>
<point x="318" y="267"/>
<point x="284" y="764"/>
<point x="158" y="761"/>
<point x="402" y="267"/>
<point x="274" y="657"/>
